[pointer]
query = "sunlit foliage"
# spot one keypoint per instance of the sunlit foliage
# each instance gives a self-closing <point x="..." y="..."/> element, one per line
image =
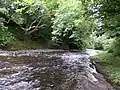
<point x="68" y="23"/>
<point x="72" y="25"/>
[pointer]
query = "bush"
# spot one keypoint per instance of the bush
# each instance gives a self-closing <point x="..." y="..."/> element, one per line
<point x="103" y="42"/>
<point x="5" y="37"/>
<point x="115" y="47"/>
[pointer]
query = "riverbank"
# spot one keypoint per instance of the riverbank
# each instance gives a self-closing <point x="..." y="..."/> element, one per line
<point x="109" y="66"/>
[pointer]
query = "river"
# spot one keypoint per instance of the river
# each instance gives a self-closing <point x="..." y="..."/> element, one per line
<point x="49" y="70"/>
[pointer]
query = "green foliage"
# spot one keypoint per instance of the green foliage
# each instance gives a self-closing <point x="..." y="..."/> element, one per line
<point x="5" y="36"/>
<point x="111" y="65"/>
<point x="110" y="17"/>
<point x="71" y="26"/>
<point x="68" y="20"/>
<point x="114" y="48"/>
<point x="101" y="42"/>
<point x="27" y="17"/>
<point x="33" y="15"/>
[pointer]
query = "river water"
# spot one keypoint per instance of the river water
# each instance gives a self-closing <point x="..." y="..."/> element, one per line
<point x="49" y="70"/>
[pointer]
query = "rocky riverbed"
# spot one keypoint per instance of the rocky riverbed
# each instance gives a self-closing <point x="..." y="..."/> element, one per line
<point x="49" y="70"/>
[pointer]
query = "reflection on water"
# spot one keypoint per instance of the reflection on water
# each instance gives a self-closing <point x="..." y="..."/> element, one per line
<point x="48" y="71"/>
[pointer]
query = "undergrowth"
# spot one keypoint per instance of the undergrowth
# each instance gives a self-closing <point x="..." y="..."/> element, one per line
<point x="112" y="67"/>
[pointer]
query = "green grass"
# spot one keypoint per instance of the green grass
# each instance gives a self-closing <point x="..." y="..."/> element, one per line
<point x="111" y="65"/>
<point x="17" y="45"/>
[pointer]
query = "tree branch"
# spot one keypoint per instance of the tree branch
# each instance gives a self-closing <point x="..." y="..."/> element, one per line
<point x="36" y="28"/>
<point x="31" y="25"/>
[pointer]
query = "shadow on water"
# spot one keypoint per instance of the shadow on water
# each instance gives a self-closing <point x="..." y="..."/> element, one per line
<point x="49" y="71"/>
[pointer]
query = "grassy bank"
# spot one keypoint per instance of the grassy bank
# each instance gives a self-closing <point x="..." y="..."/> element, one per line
<point x="110" y="64"/>
<point x="26" y="44"/>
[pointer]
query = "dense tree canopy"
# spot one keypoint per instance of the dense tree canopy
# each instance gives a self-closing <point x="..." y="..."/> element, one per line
<point x="72" y="25"/>
<point x="61" y="23"/>
<point x="68" y="23"/>
<point x="109" y="13"/>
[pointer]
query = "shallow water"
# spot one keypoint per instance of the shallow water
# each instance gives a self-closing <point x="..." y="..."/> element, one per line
<point x="49" y="70"/>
